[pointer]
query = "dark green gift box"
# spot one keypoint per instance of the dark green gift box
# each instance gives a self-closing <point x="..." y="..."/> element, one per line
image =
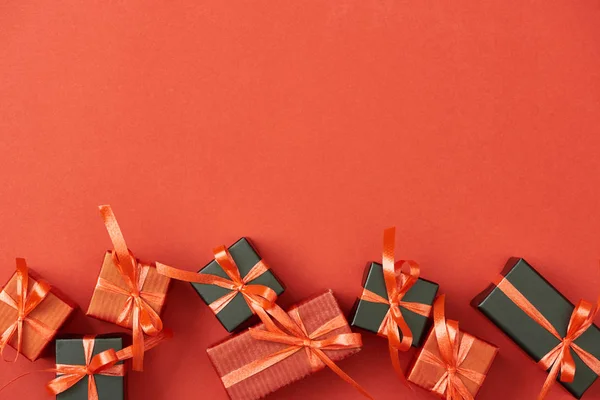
<point x="368" y="315"/>
<point x="69" y="351"/>
<point x="236" y="314"/>
<point x="528" y="334"/>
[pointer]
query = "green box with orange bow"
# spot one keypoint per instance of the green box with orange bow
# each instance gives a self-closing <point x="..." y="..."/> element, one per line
<point x="558" y="335"/>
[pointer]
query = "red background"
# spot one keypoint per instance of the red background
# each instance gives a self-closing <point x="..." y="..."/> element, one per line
<point x="308" y="126"/>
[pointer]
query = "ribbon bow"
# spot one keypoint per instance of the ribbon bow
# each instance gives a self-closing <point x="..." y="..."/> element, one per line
<point x="25" y="303"/>
<point x="453" y="350"/>
<point x="397" y="284"/>
<point x="297" y="338"/>
<point x="559" y="359"/>
<point x="134" y="274"/>
<point x="258" y="297"/>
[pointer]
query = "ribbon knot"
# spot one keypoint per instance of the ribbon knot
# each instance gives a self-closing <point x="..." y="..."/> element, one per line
<point x="397" y="284"/>
<point x="137" y="307"/>
<point x="26" y="302"/>
<point x="559" y="359"/>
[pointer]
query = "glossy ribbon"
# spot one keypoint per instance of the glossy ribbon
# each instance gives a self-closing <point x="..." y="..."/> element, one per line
<point x="295" y="335"/>
<point x="25" y="303"/>
<point x="258" y="297"/>
<point x="137" y="307"/>
<point x="453" y="351"/>
<point x="397" y="284"/>
<point x="559" y="359"/>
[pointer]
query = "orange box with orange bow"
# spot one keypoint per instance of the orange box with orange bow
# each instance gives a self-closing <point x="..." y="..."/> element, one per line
<point x="31" y="313"/>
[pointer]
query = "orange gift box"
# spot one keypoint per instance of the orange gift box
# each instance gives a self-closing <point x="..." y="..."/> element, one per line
<point x="108" y="305"/>
<point x="241" y="350"/>
<point x="52" y="312"/>
<point x="470" y="361"/>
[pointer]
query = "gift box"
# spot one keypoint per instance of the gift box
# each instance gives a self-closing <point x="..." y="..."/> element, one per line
<point x="543" y="310"/>
<point x="233" y="358"/>
<point x="446" y="374"/>
<point x="107" y="304"/>
<point x="42" y="323"/>
<point x="370" y="315"/>
<point x="236" y="313"/>
<point x="109" y="385"/>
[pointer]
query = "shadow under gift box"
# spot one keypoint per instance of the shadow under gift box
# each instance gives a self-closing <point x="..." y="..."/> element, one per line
<point x="69" y="351"/>
<point x="479" y="359"/>
<point x="369" y="315"/>
<point x="528" y="334"/>
<point x="53" y="311"/>
<point x="236" y="314"/>
<point x="241" y="350"/>
<point x="107" y="306"/>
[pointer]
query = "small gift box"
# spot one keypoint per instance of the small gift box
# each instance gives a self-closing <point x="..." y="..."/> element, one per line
<point x="371" y="315"/>
<point x="559" y="336"/>
<point x="128" y="292"/>
<point x="43" y="310"/>
<point x="93" y="367"/>
<point x="263" y="359"/>
<point x="452" y="364"/>
<point x="77" y="352"/>
<point x="236" y="285"/>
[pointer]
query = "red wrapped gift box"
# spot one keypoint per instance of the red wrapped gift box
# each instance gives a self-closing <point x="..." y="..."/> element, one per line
<point x="237" y="352"/>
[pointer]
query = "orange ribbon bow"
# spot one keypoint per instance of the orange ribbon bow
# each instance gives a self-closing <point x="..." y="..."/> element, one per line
<point x="397" y="285"/>
<point x="454" y="351"/>
<point x="24" y="305"/>
<point x="559" y="359"/>
<point x="134" y="274"/>
<point x="297" y="338"/>
<point x="258" y="297"/>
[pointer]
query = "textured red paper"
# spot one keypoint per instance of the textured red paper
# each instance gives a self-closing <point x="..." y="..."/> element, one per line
<point x="242" y="349"/>
<point x="308" y="126"/>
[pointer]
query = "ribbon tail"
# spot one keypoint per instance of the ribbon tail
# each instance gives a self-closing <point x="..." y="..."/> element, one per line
<point x="338" y="371"/>
<point x="138" y="342"/>
<point x="550" y="379"/>
<point x="5" y="339"/>
<point x="92" y="389"/>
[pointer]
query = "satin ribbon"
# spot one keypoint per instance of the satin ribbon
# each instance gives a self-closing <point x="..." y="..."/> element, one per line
<point x="453" y="351"/>
<point x="104" y="363"/>
<point x="295" y="335"/>
<point x="137" y="308"/>
<point x="397" y="284"/>
<point x="258" y="297"/>
<point x="559" y="359"/>
<point x="25" y="303"/>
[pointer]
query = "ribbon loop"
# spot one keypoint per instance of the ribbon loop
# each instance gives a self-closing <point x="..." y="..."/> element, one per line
<point x="27" y="301"/>
<point x="137" y="307"/>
